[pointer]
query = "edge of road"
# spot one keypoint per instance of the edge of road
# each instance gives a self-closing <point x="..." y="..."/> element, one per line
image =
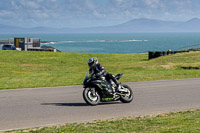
<point x="20" y="89"/>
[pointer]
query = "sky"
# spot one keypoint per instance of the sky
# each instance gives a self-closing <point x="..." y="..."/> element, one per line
<point x="92" y="13"/>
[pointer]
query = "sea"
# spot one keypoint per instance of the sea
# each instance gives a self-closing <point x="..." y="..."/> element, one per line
<point x="117" y="43"/>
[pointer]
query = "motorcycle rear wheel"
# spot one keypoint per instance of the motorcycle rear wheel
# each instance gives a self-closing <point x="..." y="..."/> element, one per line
<point x="127" y="98"/>
<point x="90" y="98"/>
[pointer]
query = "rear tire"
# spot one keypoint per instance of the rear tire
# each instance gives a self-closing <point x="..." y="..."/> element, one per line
<point x="127" y="98"/>
<point x="90" y="98"/>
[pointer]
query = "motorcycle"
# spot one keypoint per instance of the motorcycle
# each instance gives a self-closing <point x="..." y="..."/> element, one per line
<point x="98" y="89"/>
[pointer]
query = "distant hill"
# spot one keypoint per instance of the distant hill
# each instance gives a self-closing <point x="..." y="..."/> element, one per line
<point x="135" y="25"/>
<point x="10" y="29"/>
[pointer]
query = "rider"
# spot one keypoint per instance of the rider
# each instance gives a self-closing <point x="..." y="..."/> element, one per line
<point x="97" y="69"/>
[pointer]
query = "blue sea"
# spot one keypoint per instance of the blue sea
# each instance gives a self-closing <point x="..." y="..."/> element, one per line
<point x="122" y="43"/>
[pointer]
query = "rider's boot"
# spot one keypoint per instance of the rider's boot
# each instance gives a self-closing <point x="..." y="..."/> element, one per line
<point x="118" y="85"/>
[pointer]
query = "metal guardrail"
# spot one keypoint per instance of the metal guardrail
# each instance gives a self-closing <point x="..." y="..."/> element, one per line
<point x="34" y="49"/>
<point x="155" y="54"/>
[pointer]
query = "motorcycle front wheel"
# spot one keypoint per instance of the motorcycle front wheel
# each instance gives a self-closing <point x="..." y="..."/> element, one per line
<point x="128" y="96"/>
<point x="90" y="97"/>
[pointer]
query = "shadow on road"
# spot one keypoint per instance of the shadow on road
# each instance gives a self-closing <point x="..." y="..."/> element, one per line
<point x="78" y="104"/>
<point x="65" y="104"/>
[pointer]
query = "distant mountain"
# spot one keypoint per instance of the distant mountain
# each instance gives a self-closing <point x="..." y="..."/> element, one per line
<point x="135" y="25"/>
<point x="10" y="29"/>
<point x="147" y="25"/>
<point x="192" y="25"/>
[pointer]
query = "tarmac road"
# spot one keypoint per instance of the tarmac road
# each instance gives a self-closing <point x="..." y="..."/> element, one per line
<point x="24" y="108"/>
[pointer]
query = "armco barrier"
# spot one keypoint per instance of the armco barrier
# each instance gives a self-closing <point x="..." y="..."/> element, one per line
<point x="155" y="54"/>
<point x="48" y="50"/>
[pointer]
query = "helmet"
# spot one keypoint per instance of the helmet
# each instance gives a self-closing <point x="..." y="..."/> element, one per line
<point x="92" y="62"/>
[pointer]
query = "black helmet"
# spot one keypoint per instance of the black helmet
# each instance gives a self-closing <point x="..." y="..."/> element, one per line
<point x="92" y="62"/>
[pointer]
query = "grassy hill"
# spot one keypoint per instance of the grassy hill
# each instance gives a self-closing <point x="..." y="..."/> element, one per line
<point x="22" y="69"/>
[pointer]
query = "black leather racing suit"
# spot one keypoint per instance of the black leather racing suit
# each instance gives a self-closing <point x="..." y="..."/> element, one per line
<point x="100" y="70"/>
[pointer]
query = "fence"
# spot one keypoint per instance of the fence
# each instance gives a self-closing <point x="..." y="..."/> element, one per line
<point x="155" y="54"/>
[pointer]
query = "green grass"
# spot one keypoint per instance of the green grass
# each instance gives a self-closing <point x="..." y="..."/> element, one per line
<point x="184" y="121"/>
<point x="22" y="69"/>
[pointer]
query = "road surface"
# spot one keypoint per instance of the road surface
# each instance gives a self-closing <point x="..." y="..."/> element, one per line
<point x="35" y="107"/>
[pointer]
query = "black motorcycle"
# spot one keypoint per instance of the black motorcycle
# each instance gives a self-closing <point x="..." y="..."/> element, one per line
<point x="98" y="89"/>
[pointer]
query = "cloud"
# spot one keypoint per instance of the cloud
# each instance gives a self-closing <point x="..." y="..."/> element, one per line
<point x="40" y="14"/>
<point x="152" y="3"/>
<point x="84" y="13"/>
<point x="98" y="15"/>
<point x="29" y="4"/>
<point x="4" y="13"/>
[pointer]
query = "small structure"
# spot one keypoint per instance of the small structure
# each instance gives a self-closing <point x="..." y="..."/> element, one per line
<point x="31" y="44"/>
<point x="27" y="43"/>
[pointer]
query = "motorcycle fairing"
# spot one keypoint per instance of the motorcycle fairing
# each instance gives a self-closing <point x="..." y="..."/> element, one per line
<point x="101" y="84"/>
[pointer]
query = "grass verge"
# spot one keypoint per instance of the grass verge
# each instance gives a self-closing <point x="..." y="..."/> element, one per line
<point x="183" y="121"/>
<point x="25" y="69"/>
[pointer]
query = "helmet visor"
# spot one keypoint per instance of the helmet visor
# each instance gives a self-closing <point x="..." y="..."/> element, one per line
<point x="92" y="64"/>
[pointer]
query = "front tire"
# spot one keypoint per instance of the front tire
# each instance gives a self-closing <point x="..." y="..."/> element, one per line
<point x="127" y="97"/>
<point x="90" y="98"/>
